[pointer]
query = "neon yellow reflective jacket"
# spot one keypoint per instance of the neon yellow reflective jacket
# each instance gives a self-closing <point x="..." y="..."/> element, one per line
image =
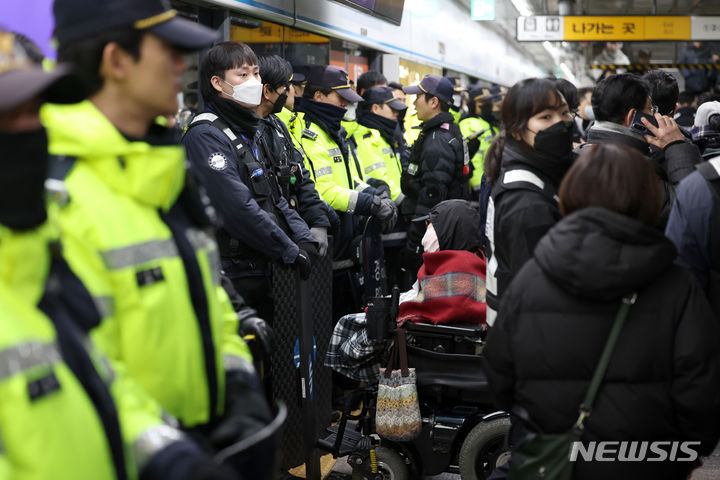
<point x="335" y="178"/>
<point x="378" y="159"/>
<point x="58" y="434"/>
<point x="412" y="127"/>
<point x="469" y="126"/>
<point x="116" y="231"/>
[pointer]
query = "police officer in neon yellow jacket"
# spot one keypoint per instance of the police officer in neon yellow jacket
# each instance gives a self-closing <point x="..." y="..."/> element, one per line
<point x="375" y="140"/>
<point x="134" y="228"/>
<point x="334" y="169"/>
<point x="65" y="413"/>
<point x="478" y="133"/>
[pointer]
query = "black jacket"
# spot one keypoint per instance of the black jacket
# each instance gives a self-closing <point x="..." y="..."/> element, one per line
<point x="522" y="209"/>
<point x="554" y="321"/>
<point x="435" y="172"/>
<point x="672" y="164"/>
<point x="300" y="192"/>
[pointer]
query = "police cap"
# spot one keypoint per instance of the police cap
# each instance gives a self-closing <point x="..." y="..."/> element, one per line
<point x="435" y="85"/>
<point x="81" y="19"/>
<point x="21" y="79"/>
<point x="485" y="92"/>
<point x="335" y="78"/>
<point x="380" y="95"/>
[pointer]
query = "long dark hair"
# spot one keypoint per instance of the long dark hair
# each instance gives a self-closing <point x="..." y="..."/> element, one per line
<point x="526" y="98"/>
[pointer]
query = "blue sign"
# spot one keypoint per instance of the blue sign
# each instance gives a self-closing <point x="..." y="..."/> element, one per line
<point x="482" y="9"/>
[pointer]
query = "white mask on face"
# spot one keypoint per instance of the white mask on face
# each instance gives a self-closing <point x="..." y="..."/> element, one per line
<point x="249" y="92"/>
<point x="350" y="112"/>
<point x="589" y="114"/>
<point x="430" y="241"/>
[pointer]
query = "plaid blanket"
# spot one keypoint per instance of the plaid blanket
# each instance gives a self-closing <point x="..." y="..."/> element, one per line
<point x="352" y="353"/>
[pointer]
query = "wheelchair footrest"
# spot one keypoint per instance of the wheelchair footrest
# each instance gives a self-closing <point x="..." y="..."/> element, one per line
<point x="349" y="441"/>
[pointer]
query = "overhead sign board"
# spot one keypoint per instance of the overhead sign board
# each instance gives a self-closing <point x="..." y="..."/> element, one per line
<point x="630" y="28"/>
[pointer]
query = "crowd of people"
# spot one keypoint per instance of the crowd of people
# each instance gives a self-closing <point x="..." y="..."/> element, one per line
<point x="135" y="256"/>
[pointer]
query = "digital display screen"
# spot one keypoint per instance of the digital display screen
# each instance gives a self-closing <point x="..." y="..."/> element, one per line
<point x="390" y="10"/>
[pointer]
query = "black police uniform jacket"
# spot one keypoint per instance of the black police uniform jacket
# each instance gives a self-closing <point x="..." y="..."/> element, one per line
<point x="523" y="209"/>
<point x="295" y="183"/>
<point x="555" y="318"/>
<point x="435" y="172"/>
<point x="258" y="225"/>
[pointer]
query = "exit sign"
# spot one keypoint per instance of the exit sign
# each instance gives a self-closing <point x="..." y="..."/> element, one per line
<point x="482" y="9"/>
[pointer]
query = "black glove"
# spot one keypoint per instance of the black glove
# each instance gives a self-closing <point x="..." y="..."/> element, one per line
<point x="384" y="210"/>
<point x="302" y="264"/>
<point x="309" y="248"/>
<point x="381" y="186"/>
<point x="251" y="324"/>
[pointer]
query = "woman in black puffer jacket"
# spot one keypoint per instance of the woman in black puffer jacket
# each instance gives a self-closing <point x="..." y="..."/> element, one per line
<point x="663" y="380"/>
<point x="525" y="165"/>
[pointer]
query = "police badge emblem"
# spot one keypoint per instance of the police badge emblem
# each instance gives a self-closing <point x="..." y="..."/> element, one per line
<point x="217" y="161"/>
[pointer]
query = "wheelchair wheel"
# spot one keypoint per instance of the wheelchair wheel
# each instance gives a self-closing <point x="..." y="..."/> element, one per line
<point x="483" y="449"/>
<point x="391" y="466"/>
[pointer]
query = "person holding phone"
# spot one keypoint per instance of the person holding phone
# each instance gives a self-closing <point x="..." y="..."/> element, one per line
<point x="625" y="114"/>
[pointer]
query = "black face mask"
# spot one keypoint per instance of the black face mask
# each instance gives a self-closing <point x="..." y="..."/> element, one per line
<point x="556" y="141"/>
<point x="23" y="169"/>
<point x="486" y="110"/>
<point x="279" y="103"/>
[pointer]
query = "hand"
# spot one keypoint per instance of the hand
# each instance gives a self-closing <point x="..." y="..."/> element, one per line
<point x="302" y="264"/>
<point x="250" y="324"/>
<point x="665" y="133"/>
<point x="320" y="235"/>
<point x="385" y="210"/>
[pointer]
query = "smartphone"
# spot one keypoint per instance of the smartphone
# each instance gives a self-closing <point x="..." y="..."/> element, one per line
<point x="637" y="126"/>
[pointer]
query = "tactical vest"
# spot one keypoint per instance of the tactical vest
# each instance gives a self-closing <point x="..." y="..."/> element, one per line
<point x="259" y="176"/>
<point x="517" y="179"/>
<point x="710" y="171"/>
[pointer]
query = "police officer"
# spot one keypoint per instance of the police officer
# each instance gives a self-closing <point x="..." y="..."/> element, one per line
<point x="259" y="227"/>
<point x="478" y="133"/>
<point x="438" y="168"/>
<point x="375" y="141"/>
<point x="134" y="230"/>
<point x="296" y="185"/>
<point x="65" y="412"/>
<point x="337" y="176"/>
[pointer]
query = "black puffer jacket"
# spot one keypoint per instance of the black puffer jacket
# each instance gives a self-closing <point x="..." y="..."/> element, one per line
<point x="554" y="320"/>
<point x="523" y="207"/>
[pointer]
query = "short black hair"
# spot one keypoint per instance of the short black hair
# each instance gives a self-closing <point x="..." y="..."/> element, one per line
<point x="444" y="107"/>
<point x="614" y="96"/>
<point x="219" y="59"/>
<point x="664" y="90"/>
<point x="369" y="79"/>
<point x="395" y="85"/>
<point x="85" y="55"/>
<point x="190" y="98"/>
<point x="708" y="97"/>
<point x="310" y="90"/>
<point x="685" y="98"/>
<point x="584" y="91"/>
<point x="275" y="71"/>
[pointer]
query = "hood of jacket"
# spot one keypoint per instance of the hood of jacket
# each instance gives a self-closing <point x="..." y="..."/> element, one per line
<point x="609" y="132"/>
<point x="598" y="254"/>
<point x="151" y="171"/>
<point x="519" y="155"/>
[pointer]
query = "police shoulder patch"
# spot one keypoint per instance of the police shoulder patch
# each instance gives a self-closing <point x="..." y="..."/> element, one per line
<point x="217" y="161"/>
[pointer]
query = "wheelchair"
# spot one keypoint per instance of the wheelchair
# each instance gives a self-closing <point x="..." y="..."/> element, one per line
<point x="461" y="430"/>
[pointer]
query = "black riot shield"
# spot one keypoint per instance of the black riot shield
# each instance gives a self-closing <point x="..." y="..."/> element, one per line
<point x="302" y="326"/>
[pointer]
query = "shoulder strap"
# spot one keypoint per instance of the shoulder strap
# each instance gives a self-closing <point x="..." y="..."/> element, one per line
<point x="208" y="118"/>
<point x="586" y="405"/>
<point x="59" y="167"/>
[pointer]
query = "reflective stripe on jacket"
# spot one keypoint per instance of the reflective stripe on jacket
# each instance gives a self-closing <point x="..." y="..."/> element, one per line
<point x="130" y="239"/>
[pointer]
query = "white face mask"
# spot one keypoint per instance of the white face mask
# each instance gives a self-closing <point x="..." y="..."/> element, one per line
<point x="350" y="112"/>
<point x="249" y="92"/>
<point x="589" y="114"/>
<point x="430" y="241"/>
